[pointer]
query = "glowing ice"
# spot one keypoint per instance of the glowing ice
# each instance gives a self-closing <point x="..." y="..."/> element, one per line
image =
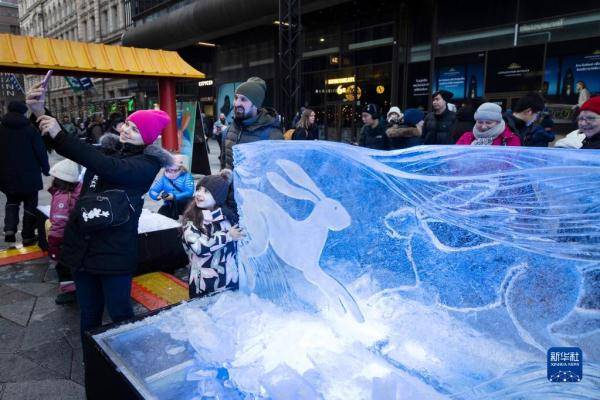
<point x="433" y="272"/>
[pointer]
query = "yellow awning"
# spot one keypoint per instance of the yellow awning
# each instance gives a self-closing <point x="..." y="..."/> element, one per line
<point x="31" y="54"/>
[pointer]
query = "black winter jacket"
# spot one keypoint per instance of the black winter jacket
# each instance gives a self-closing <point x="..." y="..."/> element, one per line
<point x="374" y="138"/>
<point x="303" y="134"/>
<point x="23" y="156"/>
<point x="533" y="135"/>
<point x="130" y="168"/>
<point x="436" y="128"/>
<point x="465" y="121"/>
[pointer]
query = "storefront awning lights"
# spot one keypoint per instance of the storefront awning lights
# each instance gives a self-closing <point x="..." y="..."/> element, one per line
<point x="339" y="81"/>
<point x="206" y="44"/>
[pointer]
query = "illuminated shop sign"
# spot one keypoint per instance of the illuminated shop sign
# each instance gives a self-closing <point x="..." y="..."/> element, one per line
<point x="205" y="83"/>
<point x="340" y="81"/>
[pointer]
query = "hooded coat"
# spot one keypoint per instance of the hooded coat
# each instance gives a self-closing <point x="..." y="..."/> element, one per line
<point x="265" y="126"/>
<point x="130" y="168"/>
<point x="23" y="156"/>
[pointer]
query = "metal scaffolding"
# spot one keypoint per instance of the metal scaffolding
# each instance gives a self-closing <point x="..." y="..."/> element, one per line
<point x="290" y="58"/>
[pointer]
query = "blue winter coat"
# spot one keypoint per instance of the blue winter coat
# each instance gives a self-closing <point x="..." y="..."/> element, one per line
<point x="181" y="187"/>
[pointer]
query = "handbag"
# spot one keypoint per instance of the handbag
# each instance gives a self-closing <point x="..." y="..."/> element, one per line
<point x="103" y="209"/>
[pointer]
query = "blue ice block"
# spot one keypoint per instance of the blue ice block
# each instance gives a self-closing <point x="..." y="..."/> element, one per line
<point x="431" y="272"/>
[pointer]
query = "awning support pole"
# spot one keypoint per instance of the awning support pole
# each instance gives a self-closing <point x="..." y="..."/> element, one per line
<point x="166" y="93"/>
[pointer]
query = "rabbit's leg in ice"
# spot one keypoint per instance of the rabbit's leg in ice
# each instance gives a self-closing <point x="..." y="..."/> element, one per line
<point x="337" y="294"/>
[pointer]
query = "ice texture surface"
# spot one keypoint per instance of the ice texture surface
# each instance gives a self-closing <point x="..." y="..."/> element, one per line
<point x="427" y="273"/>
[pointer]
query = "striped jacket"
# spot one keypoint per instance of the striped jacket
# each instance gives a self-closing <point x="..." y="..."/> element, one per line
<point x="212" y="255"/>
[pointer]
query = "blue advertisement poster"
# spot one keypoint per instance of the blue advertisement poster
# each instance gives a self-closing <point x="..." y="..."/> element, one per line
<point x="550" y="85"/>
<point x="584" y="68"/>
<point x="225" y="100"/>
<point x="186" y="126"/>
<point x="463" y="81"/>
<point x="474" y="81"/>
<point x="452" y="79"/>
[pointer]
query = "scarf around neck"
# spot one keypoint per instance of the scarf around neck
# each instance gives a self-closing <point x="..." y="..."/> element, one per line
<point x="487" y="137"/>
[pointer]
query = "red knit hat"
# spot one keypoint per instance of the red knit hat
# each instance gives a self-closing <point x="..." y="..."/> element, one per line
<point x="592" y="104"/>
<point x="150" y="123"/>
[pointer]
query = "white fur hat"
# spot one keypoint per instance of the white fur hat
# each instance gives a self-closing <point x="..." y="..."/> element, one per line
<point x="395" y="110"/>
<point x="66" y="170"/>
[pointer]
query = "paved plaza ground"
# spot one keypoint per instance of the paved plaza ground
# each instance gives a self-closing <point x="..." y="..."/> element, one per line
<point x="40" y="349"/>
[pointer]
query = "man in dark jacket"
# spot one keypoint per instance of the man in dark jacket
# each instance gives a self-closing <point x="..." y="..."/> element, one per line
<point x="436" y="129"/>
<point x="252" y="122"/>
<point x="521" y="120"/>
<point x="372" y="134"/>
<point x="23" y="158"/>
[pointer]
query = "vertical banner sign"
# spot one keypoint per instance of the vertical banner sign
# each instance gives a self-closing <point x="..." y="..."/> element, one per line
<point x="186" y="125"/>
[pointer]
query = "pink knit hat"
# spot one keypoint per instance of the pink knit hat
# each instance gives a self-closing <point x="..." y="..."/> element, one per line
<point x="150" y="123"/>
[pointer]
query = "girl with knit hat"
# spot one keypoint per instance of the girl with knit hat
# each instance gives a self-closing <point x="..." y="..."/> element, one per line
<point x="103" y="259"/>
<point x="489" y="129"/>
<point x="65" y="191"/>
<point x="209" y="239"/>
<point x="175" y="187"/>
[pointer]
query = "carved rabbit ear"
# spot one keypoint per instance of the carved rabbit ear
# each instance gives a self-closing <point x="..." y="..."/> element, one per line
<point x="297" y="175"/>
<point x="288" y="189"/>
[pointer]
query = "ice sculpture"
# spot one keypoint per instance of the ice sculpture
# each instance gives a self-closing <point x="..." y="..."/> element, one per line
<point x="427" y="273"/>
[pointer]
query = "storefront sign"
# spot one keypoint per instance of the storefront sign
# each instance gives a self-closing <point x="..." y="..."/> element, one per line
<point x="517" y="69"/>
<point x="542" y="26"/>
<point x="205" y="83"/>
<point x="561" y="113"/>
<point x="340" y="81"/>
<point x="420" y="87"/>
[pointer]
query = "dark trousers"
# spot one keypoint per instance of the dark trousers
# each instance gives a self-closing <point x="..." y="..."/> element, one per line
<point x="94" y="291"/>
<point x="173" y="209"/>
<point x="11" y="216"/>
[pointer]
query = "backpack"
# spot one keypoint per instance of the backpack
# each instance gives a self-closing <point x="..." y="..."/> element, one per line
<point x="288" y="134"/>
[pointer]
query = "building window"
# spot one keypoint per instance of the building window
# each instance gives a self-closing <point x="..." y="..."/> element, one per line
<point x="104" y="22"/>
<point x="91" y="29"/>
<point x="114" y="18"/>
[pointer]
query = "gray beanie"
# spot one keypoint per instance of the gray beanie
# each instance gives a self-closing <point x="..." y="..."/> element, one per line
<point x="489" y="112"/>
<point x="254" y="89"/>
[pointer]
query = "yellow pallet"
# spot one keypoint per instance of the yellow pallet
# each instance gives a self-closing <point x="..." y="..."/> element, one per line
<point x="158" y="289"/>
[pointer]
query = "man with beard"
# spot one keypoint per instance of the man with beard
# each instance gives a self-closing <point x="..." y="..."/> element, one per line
<point x="251" y="122"/>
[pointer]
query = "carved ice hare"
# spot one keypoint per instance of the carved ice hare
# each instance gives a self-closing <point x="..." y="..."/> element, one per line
<point x="267" y="223"/>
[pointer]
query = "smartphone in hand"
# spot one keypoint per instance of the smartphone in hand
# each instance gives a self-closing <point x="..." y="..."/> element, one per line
<point x="46" y="79"/>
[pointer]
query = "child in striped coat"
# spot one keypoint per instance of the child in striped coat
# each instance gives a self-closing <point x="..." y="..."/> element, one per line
<point x="209" y="239"/>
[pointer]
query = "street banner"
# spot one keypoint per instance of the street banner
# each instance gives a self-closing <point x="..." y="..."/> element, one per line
<point x="79" y="84"/>
<point x="15" y="83"/>
<point x="186" y="126"/>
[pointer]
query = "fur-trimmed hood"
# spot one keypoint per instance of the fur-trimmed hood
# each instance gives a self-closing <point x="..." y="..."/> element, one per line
<point x="396" y="131"/>
<point x="111" y="143"/>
